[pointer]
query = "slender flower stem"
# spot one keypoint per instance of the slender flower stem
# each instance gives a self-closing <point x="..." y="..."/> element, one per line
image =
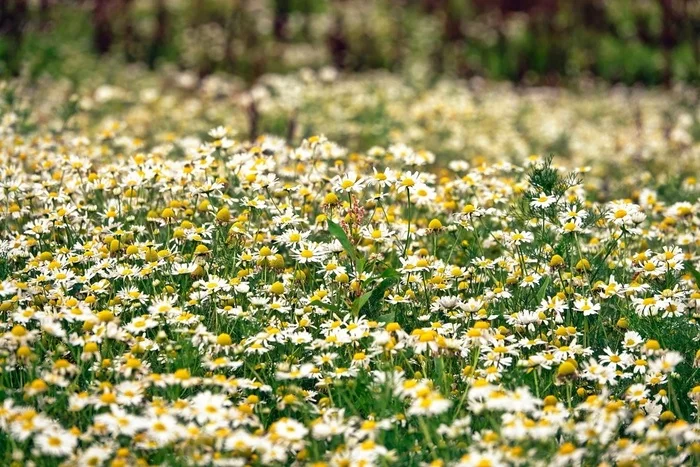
<point x="408" y="233"/>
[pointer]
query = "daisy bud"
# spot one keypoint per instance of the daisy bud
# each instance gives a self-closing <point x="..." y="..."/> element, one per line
<point x="203" y="205"/>
<point x="223" y="215"/>
<point x="652" y="345"/>
<point x="342" y="278"/>
<point x="114" y="246"/>
<point x="435" y="224"/>
<point x="556" y="261"/>
<point x="182" y="374"/>
<point x="224" y="339"/>
<point x="330" y="199"/>
<point x="45" y="256"/>
<point x="566" y="369"/>
<point x="105" y="316"/>
<point x="198" y="272"/>
<point x="151" y="255"/>
<point x="90" y="347"/>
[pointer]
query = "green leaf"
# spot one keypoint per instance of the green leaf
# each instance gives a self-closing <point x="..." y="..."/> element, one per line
<point x="375" y="295"/>
<point x="543" y="289"/>
<point x="360" y="302"/>
<point x="327" y="306"/>
<point x="390" y="273"/>
<point x="696" y="275"/>
<point x="338" y="232"/>
<point x="387" y="318"/>
<point x="360" y="262"/>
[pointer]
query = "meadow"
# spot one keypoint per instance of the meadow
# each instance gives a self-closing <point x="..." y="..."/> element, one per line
<point x="313" y="233"/>
<point x="179" y="292"/>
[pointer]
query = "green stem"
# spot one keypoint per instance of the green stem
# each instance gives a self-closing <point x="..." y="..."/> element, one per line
<point x="408" y="233"/>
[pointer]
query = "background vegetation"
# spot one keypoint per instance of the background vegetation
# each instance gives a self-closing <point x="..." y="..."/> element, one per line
<point x="542" y="41"/>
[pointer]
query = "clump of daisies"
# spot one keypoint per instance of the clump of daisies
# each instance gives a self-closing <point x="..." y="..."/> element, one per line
<point x="207" y="300"/>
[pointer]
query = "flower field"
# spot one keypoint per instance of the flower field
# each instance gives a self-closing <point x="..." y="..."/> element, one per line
<point x="195" y="275"/>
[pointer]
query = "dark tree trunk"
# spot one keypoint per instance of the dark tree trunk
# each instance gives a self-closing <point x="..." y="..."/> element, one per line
<point x="44" y="13"/>
<point x="338" y="43"/>
<point x="129" y="32"/>
<point x="253" y="118"/>
<point x="232" y="24"/>
<point x="291" y="128"/>
<point x="103" y="34"/>
<point x="668" y="37"/>
<point x="430" y="6"/>
<point x="452" y="23"/>
<point x="13" y="18"/>
<point x="160" y="34"/>
<point x="400" y="33"/>
<point x="282" y="10"/>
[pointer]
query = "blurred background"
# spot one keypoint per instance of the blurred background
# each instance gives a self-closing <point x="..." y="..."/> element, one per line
<point x="552" y="42"/>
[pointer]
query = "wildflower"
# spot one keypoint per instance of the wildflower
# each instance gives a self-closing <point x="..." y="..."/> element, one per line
<point x="430" y="403"/>
<point x="289" y="430"/>
<point x="56" y="443"/>
<point x="310" y="253"/>
<point x="350" y="182"/>
<point x="587" y="306"/>
<point x="543" y="201"/>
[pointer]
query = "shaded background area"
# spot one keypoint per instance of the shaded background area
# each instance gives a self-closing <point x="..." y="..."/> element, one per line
<point x="535" y="42"/>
